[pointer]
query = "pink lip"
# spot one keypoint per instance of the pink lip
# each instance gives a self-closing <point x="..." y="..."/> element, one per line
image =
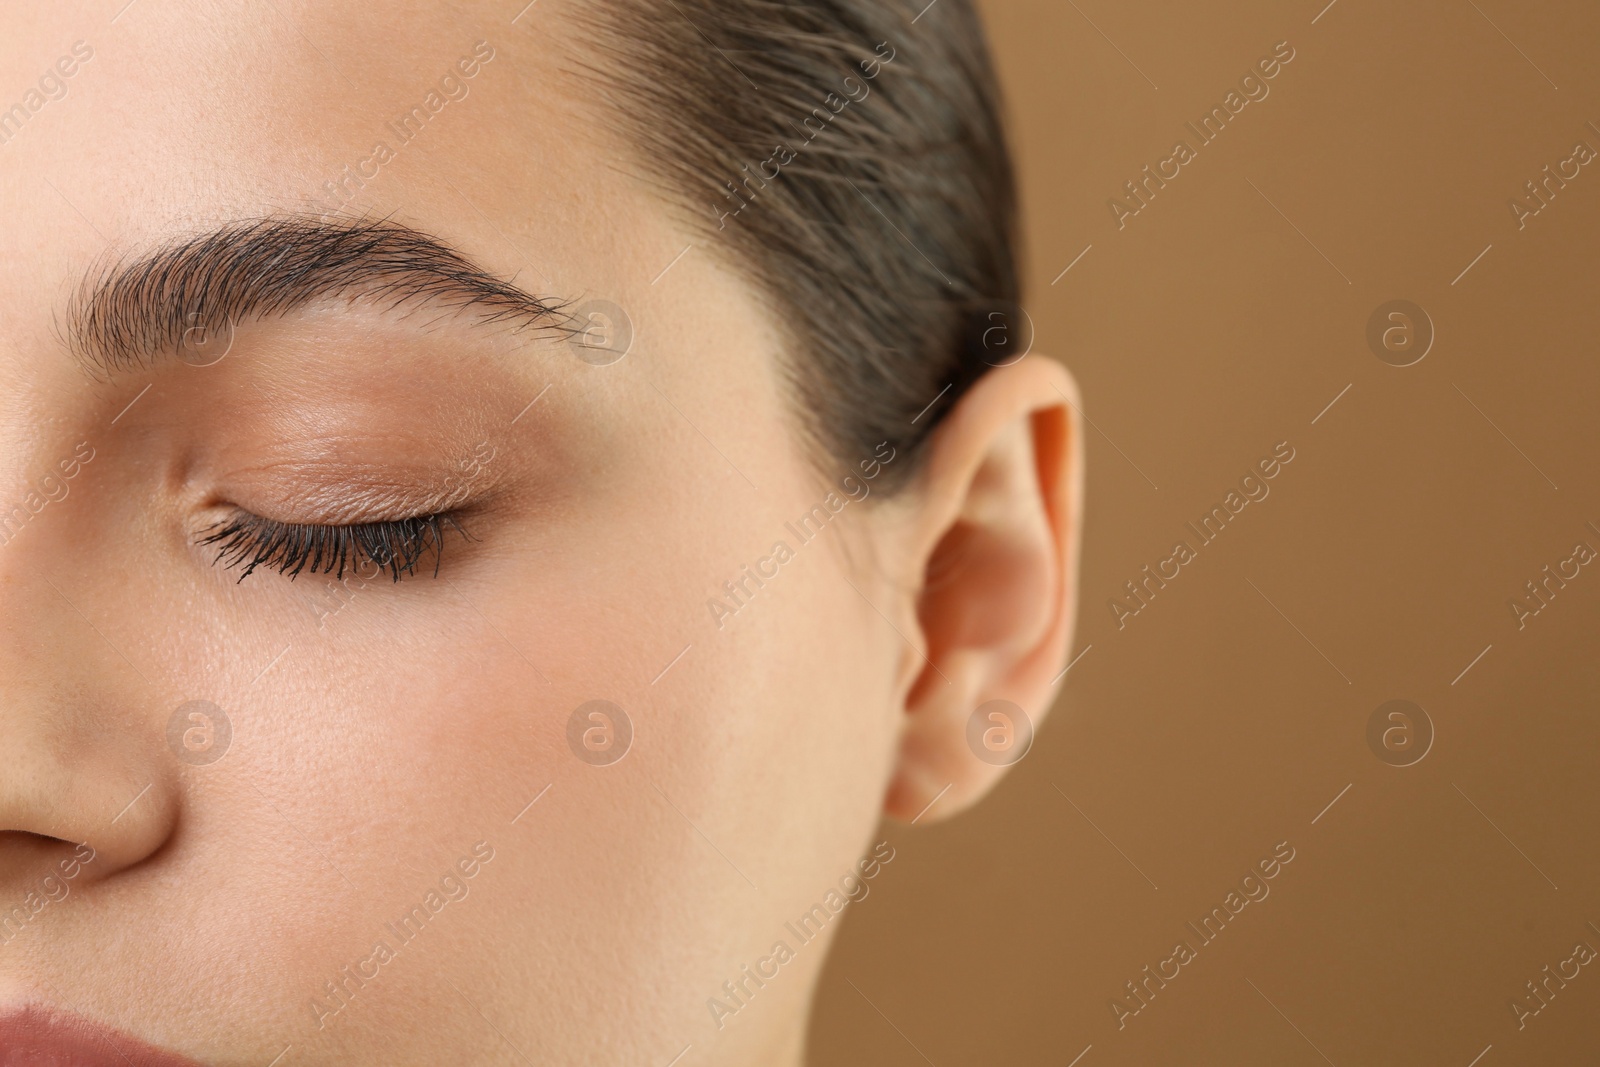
<point x="36" y="1037"/>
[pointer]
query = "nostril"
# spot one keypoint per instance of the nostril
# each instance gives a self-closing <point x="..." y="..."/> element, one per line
<point x="40" y="872"/>
<point x="88" y="820"/>
<point x="78" y="780"/>
<point x="23" y="851"/>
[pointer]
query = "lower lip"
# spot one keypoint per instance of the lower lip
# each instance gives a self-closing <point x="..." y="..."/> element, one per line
<point x="35" y="1037"/>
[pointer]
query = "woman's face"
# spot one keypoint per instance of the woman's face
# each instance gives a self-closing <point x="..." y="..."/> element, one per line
<point x="368" y="821"/>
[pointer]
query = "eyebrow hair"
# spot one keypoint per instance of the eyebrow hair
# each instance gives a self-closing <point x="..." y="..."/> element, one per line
<point x="128" y="312"/>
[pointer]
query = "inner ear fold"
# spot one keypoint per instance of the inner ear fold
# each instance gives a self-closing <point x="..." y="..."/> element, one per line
<point x="987" y="582"/>
<point x="995" y="600"/>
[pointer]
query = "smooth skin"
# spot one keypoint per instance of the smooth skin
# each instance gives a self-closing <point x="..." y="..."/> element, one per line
<point x="384" y="731"/>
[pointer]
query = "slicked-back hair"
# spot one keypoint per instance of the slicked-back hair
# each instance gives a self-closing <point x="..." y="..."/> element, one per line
<point x="848" y="156"/>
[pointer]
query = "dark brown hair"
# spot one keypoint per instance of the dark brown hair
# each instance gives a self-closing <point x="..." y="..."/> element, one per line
<point x="849" y="156"/>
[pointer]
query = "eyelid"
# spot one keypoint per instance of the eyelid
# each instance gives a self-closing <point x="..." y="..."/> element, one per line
<point x="398" y="545"/>
<point x="319" y="492"/>
<point x="320" y="500"/>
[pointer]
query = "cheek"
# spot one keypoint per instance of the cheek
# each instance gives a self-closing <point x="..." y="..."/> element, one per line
<point x="434" y="714"/>
<point x="441" y="726"/>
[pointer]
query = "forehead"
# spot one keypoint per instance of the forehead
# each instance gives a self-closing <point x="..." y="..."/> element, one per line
<point x="174" y="116"/>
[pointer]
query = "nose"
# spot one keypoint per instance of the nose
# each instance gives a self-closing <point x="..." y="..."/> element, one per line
<point x="86" y="782"/>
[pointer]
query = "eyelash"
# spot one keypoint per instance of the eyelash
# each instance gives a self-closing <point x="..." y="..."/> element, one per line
<point x="397" y="545"/>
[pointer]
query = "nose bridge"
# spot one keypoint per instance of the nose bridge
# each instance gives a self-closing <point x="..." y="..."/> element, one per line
<point x="81" y="756"/>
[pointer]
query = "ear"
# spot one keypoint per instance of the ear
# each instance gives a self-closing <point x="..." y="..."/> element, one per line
<point x="993" y="534"/>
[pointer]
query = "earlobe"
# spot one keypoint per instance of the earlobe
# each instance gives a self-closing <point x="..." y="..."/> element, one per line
<point x="995" y="538"/>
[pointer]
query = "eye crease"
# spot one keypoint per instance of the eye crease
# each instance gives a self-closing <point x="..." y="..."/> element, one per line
<point x="397" y="545"/>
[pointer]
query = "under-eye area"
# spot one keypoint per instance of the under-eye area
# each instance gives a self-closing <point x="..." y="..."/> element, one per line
<point x="247" y="541"/>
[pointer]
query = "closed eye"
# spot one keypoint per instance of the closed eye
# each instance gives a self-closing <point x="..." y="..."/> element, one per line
<point x="395" y="545"/>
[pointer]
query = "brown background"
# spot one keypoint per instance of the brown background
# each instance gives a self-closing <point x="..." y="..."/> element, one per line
<point x="1209" y="729"/>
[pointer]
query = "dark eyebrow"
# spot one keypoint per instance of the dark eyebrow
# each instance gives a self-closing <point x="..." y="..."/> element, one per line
<point x="130" y="311"/>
